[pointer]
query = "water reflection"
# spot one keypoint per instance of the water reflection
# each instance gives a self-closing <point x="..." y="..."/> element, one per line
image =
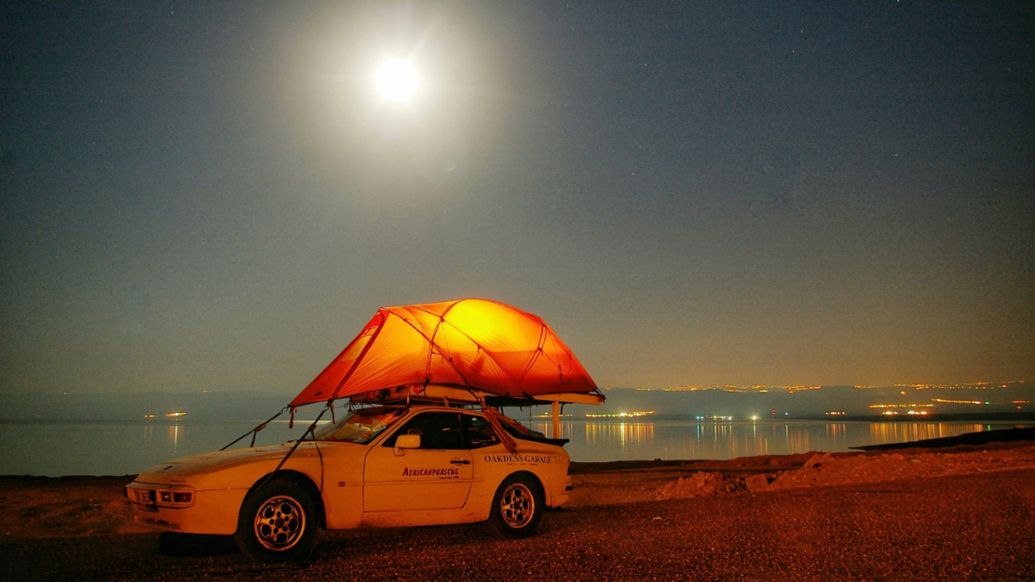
<point x="836" y="431"/>
<point x="625" y="434"/>
<point x="895" y="432"/>
<point x="119" y="448"/>
<point x="174" y="436"/>
<point x="724" y="439"/>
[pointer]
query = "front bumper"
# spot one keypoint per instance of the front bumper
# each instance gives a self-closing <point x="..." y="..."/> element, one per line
<point x="210" y="512"/>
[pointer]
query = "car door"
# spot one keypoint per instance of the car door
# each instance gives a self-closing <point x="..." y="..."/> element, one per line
<point x="436" y="476"/>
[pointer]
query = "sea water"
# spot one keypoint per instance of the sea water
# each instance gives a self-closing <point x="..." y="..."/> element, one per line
<point x="127" y="447"/>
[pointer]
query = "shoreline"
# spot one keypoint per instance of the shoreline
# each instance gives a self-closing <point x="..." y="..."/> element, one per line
<point x="966" y="508"/>
<point x="41" y="506"/>
<point x="746" y="464"/>
<point x="1024" y="417"/>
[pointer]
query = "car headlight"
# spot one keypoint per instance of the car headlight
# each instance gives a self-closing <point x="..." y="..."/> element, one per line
<point x="176" y="497"/>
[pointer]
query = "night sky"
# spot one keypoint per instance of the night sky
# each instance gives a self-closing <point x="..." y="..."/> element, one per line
<point x="213" y="196"/>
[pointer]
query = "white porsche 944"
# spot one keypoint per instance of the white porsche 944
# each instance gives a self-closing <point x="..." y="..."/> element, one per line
<point x="394" y="465"/>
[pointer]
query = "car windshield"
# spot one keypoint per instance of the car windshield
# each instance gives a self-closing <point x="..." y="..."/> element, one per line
<point x="361" y="427"/>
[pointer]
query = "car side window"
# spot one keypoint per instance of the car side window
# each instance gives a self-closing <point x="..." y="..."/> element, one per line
<point x="478" y="432"/>
<point x="437" y="430"/>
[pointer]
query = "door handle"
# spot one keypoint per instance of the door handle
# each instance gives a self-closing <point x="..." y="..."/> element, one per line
<point x="460" y="462"/>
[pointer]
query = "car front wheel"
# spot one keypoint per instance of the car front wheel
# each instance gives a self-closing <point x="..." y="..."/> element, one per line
<point x="517" y="506"/>
<point x="277" y="522"/>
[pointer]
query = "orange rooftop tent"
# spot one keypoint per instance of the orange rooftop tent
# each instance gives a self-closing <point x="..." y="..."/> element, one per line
<point x="466" y="346"/>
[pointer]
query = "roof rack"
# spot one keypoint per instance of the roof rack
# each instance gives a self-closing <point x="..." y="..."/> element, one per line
<point x="468" y="395"/>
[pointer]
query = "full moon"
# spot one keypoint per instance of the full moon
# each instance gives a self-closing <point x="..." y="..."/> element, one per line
<point x="396" y="80"/>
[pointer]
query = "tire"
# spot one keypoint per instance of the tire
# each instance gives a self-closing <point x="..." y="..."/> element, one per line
<point x="517" y="506"/>
<point x="277" y="522"/>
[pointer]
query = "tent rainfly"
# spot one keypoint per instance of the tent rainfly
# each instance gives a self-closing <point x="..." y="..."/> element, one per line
<point x="466" y="349"/>
<point x="472" y="346"/>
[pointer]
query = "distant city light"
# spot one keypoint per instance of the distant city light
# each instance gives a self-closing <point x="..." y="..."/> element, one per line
<point x="911" y="405"/>
<point x="952" y="401"/>
<point x="633" y="414"/>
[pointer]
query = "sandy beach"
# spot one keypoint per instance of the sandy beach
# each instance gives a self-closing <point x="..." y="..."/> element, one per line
<point x="960" y="512"/>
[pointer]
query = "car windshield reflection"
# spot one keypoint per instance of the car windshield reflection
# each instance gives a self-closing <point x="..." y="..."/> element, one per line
<point x="361" y="427"/>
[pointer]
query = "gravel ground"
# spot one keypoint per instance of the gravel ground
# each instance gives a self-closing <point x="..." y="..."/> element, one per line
<point x="977" y="526"/>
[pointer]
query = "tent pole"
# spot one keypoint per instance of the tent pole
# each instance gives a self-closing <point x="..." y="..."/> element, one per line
<point x="556" y="419"/>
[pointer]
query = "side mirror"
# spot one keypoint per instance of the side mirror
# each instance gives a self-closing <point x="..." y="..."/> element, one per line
<point x="406" y="441"/>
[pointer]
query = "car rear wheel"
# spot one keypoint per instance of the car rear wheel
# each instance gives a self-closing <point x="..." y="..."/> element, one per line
<point x="277" y="522"/>
<point x="517" y="506"/>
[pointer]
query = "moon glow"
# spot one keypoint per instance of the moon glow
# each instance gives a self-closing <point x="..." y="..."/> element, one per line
<point x="396" y="80"/>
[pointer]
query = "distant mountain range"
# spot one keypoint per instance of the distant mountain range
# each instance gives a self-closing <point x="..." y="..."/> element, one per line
<point x="97" y="406"/>
<point x="826" y="401"/>
<point x="741" y="403"/>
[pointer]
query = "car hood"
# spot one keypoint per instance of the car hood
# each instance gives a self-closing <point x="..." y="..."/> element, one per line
<point x="232" y="467"/>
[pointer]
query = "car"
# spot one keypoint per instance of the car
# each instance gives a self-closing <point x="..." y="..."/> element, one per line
<point x="399" y="464"/>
